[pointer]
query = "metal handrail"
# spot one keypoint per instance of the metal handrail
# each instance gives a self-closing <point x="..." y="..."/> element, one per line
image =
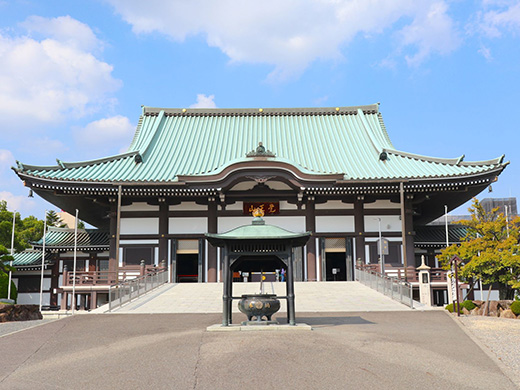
<point x="124" y="292"/>
<point x="398" y="290"/>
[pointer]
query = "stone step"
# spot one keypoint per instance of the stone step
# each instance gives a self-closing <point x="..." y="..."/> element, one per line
<point x="310" y="297"/>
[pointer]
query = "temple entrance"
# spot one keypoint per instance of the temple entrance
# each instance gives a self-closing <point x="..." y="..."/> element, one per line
<point x="336" y="259"/>
<point x="187" y="261"/>
<point x="250" y="268"/>
<point x="335" y="266"/>
<point x="187" y="267"/>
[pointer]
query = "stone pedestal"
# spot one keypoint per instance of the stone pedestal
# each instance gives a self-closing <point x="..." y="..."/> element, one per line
<point x="425" y="290"/>
<point x="450" y="280"/>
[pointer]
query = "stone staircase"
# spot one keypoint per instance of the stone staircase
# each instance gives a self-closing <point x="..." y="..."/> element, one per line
<point x="310" y="297"/>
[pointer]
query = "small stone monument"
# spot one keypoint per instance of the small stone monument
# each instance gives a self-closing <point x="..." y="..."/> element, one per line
<point x="425" y="290"/>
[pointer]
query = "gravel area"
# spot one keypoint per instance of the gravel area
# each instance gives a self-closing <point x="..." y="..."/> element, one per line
<point x="500" y="335"/>
<point x="15" y="326"/>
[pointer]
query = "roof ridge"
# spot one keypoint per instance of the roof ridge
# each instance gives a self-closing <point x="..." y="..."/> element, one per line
<point x="372" y="108"/>
<point x="450" y="161"/>
<point x="368" y="129"/>
<point x="383" y="128"/>
<point x="64" y="165"/>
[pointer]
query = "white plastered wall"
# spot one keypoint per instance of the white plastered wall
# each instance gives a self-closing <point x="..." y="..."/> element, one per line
<point x="139" y="226"/>
<point x="338" y="223"/>
<point x="188" y="225"/>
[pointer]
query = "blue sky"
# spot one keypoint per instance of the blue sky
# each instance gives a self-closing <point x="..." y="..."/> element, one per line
<point x="74" y="74"/>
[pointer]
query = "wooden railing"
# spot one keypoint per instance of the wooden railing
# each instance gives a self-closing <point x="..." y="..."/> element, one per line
<point x="107" y="278"/>
<point x="436" y="274"/>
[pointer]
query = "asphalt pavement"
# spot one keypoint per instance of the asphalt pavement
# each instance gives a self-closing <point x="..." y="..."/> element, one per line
<point x="355" y="350"/>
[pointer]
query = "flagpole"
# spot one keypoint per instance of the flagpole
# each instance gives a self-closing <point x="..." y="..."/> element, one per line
<point x="446" y="224"/>
<point x="11" y="262"/>
<point x="74" y="270"/>
<point x="43" y="258"/>
<point x="453" y="265"/>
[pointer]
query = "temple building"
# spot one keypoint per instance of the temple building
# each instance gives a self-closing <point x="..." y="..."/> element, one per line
<point x="332" y="172"/>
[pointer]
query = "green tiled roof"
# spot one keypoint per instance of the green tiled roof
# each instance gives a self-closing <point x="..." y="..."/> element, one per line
<point x="29" y="257"/>
<point x="435" y="235"/>
<point x="198" y="142"/>
<point x="61" y="238"/>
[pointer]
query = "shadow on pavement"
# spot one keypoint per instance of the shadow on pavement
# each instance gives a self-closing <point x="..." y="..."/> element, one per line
<point x="326" y="321"/>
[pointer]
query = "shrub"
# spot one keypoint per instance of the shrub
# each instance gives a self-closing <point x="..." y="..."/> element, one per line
<point x="4" y="280"/>
<point x="469" y="305"/>
<point x="515" y="307"/>
<point x="451" y="309"/>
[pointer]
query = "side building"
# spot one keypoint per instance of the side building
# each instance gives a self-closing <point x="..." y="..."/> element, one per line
<point x="330" y="171"/>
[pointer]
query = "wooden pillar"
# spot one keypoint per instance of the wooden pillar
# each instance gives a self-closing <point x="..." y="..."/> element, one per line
<point x="93" y="300"/>
<point x="310" y="226"/>
<point x="163" y="232"/>
<point x="112" y="240"/>
<point x="225" y="295"/>
<point x="55" y="276"/>
<point x="410" y="233"/>
<point x="407" y="232"/>
<point x="212" y="250"/>
<point x="359" y="228"/>
<point x="63" y="301"/>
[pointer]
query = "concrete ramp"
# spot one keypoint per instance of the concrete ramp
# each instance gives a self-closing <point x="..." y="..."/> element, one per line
<point x="310" y="297"/>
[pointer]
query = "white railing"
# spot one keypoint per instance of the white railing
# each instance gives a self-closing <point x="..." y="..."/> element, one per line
<point x="125" y="292"/>
<point x="398" y="290"/>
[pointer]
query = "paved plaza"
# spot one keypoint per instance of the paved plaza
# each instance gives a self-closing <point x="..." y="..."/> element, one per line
<point x="375" y="350"/>
<point x="310" y="297"/>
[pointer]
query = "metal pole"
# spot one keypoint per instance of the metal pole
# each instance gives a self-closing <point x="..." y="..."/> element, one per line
<point x="381" y="249"/>
<point x="446" y="225"/>
<point x="118" y="231"/>
<point x="403" y="230"/>
<point x="43" y="258"/>
<point x="507" y="222"/>
<point x="11" y="261"/>
<point x="75" y="259"/>
<point x="448" y="244"/>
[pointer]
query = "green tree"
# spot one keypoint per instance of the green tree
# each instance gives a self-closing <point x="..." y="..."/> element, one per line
<point x="5" y="258"/>
<point x="53" y="219"/>
<point x="490" y="251"/>
<point x="27" y="230"/>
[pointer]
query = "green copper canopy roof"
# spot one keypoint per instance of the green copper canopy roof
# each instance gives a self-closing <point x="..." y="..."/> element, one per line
<point x="63" y="238"/>
<point x="29" y="257"/>
<point x="258" y="231"/>
<point x="350" y="141"/>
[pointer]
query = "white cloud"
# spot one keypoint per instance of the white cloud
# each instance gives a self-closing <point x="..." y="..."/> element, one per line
<point x="45" y="146"/>
<point x="53" y="77"/>
<point x="204" y="101"/>
<point x="64" y="29"/>
<point x="291" y="34"/>
<point x="500" y="16"/>
<point x="108" y="135"/>
<point x="20" y="203"/>
<point x="431" y="31"/>
<point x="485" y="52"/>
<point x="6" y="158"/>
